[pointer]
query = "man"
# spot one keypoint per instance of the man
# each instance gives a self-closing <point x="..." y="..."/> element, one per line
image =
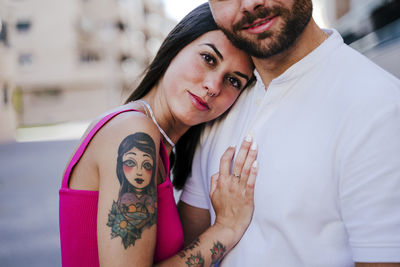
<point x="327" y="124"/>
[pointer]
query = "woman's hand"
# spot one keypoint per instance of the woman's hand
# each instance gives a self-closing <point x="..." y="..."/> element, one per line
<point x="232" y="193"/>
<point x="232" y="196"/>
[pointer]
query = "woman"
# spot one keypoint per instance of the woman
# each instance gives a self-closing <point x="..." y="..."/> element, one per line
<point x="116" y="201"/>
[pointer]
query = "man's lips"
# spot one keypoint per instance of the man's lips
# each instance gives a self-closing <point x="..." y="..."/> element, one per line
<point x="198" y="102"/>
<point x="260" y="25"/>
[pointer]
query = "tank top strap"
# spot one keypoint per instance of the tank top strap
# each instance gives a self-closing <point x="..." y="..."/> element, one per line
<point x="82" y="147"/>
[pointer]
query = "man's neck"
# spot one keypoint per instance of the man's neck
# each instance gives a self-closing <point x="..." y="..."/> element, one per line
<point x="274" y="66"/>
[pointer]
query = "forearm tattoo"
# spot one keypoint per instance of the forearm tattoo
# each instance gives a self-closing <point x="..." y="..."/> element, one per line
<point x="217" y="253"/>
<point x="195" y="260"/>
<point x="136" y="207"/>
<point x="189" y="247"/>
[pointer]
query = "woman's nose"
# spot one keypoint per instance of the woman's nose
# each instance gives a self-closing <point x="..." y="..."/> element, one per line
<point x="212" y="85"/>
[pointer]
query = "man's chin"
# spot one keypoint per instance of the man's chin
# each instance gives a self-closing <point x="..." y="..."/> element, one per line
<point x="254" y="45"/>
<point x="257" y="46"/>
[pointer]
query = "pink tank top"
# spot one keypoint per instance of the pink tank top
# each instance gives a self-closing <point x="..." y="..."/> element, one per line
<point x="78" y="214"/>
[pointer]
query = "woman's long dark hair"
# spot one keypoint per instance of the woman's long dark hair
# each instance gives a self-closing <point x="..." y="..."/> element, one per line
<point x="192" y="26"/>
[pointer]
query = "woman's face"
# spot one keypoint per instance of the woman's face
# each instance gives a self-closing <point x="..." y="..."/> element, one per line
<point x="205" y="78"/>
<point x="138" y="167"/>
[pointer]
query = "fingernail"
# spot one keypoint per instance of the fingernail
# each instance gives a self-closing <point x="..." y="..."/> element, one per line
<point x="253" y="146"/>
<point x="248" y="138"/>
<point x="255" y="164"/>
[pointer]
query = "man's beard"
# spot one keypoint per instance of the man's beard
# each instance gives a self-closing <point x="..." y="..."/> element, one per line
<point x="295" y="21"/>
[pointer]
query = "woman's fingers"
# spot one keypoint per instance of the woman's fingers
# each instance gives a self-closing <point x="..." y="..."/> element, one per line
<point x="241" y="156"/>
<point x="233" y="198"/>
<point x="226" y="161"/>
<point x="249" y="194"/>
<point x="214" y="182"/>
<point x="241" y="169"/>
<point x="250" y="159"/>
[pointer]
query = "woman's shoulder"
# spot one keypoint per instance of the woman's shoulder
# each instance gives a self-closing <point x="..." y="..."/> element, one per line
<point x="123" y="121"/>
<point x="128" y="119"/>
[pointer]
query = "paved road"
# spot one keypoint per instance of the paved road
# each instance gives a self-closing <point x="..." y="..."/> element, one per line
<point x="30" y="176"/>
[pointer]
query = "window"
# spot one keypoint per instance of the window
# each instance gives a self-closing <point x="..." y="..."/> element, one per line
<point x="23" y="25"/>
<point x="120" y="26"/>
<point x="44" y="96"/>
<point x="25" y="59"/>
<point x="47" y="92"/>
<point x="5" y="94"/>
<point x="124" y="58"/>
<point x="89" y="57"/>
<point x="3" y="33"/>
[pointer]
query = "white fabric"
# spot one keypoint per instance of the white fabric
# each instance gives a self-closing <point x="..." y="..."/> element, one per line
<point x="328" y="189"/>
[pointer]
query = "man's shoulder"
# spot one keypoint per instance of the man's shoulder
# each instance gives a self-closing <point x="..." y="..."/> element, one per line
<point x="352" y="73"/>
<point x="358" y="65"/>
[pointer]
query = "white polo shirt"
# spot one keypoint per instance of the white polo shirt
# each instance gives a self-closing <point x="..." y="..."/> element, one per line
<point x="328" y="188"/>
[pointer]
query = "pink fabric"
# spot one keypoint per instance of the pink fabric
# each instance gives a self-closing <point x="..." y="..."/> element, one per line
<point x="78" y="214"/>
<point x="169" y="228"/>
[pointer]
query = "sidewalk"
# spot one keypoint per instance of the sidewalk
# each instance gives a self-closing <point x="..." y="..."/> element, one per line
<point x="30" y="178"/>
<point x="62" y="131"/>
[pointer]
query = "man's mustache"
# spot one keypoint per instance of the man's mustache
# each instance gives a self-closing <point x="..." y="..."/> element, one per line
<point x="260" y="13"/>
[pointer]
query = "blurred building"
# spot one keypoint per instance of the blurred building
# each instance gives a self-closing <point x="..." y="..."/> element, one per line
<point x="74" y="59"/>
<point x="7" y="113"/>
<point x="370" y="26"/>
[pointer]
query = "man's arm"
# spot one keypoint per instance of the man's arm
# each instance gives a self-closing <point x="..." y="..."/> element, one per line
<point x="369" y="185"/>
<point x="194" y="221"/>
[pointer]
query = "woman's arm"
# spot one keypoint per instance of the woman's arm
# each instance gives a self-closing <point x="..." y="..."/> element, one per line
<point x="126" y="218"/>
<point x="233" y="202"/>
<point x="127" y="159"/>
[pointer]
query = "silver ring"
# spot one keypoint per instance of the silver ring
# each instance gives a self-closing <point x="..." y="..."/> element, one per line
<point x="236" y="175"/>
<point x="212" y="94"/>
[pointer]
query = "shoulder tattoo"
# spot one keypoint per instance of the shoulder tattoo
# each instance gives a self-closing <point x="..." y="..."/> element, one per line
<point x="136" y="206"/>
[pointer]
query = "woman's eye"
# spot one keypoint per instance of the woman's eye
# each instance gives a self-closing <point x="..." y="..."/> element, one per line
<point x="235" y="82"/>
<point x="209" y="59"/>
<point x="129" y="163"/>
<point x="147" y="166"/>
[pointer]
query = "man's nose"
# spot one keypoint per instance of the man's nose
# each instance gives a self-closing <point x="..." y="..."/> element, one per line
<point x="249" y="6"/>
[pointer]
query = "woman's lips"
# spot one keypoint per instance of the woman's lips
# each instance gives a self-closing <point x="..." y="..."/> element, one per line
<point x="199" y="103"/>
<point x="139" y="180"/>
<point x="260" y="25"/>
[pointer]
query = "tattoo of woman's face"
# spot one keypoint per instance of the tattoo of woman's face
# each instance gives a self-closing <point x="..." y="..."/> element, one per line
<point x="136" y="207"/>
<point x="138" y="167"/>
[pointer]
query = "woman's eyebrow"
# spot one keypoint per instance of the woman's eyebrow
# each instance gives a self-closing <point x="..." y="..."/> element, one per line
<point x="215" y="50"/>
<point x="222" y="58"/>
<point x="242" y="75"/>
